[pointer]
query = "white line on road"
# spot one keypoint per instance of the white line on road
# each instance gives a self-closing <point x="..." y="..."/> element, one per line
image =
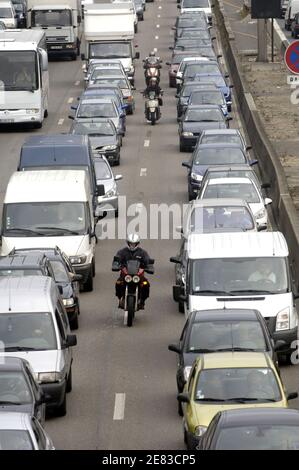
<point x="143" y="171"/>
<point x="158" y="26"/>
<point x="60" y="122"/>
<point x="119" y="406"/>
<point x="159" y="16"/>
<point x="160" y="8"/>
<point x="147" y="142"/>
<point x="70" y="100"/>
<point x="156" y="37"/>
<point x="77" y="82"/>
<point x="155" y="49"/>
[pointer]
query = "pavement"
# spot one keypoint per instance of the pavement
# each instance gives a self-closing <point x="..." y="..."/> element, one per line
<point x="124" y="387"/>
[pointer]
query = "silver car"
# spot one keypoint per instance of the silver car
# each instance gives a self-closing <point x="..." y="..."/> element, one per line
<point x="107" y="187"/>
<point x="20" y="431"/>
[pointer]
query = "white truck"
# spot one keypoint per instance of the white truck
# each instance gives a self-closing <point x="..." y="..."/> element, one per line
<point x="109" y="34"/>
<point x="61" y="22"/>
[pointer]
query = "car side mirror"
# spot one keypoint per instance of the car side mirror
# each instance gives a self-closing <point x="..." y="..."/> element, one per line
<point x="231" y="86"/>
<point x="137" y="55"/>
<point x="219" y="56"/>
<point x="226" y="75"/>
<point x="118" y="177"/>
<point x="174" y="348"/>
<point x="292" y="395"/>
<point x="71" y="341"/>
<point x="71" y="117"/>
<point x="183" y="398"/>
<point x="175" y="259"/>
<point x="186" y="165"/>
<point x="267" y="201"/>
<point x="74" y="107"/>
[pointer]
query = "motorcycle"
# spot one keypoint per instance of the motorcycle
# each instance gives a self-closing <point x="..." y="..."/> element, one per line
<point x="133" y="277"/>
<point x="152" y="107"/>
<point x="152" y="70"/>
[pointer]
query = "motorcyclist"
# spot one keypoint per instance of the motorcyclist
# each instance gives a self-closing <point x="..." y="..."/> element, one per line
<point x="152" y="61"/>
<point x="132" y="252"/>
<point x="153" y="86"/>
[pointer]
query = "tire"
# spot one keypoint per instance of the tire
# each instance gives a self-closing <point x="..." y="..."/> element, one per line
<point x="61" y="410"/>
<point x="46" y="114"/>
<point x="181" y="307"/>
<point x="88" y="285"/>
<point x="153" y="119"/>
<point x="130" y="110"/>
<point x="116" y="214"/>
<point x="130" y="309"/>
<point x="93" y="264"/>
<point x="74" y="324"/>
<point x="69" y="383"/>
<point x="38" y="125"/>
<point x="78" y="48"/>
<point x="180" y="409"/>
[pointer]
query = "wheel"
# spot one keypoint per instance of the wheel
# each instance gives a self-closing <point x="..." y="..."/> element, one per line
<point x="88" y="285"/>
<point x="181" y="307"/>
<point x="69" y="383"/>
<point x="180" y="410"/>
<point x="46" y="114"/>
<point x="61" y="410"/>
<point x="185" y="436"/>
<point x="116" y="214"/>
<point x="130" y="309"/>
<point x="74" y="324"/>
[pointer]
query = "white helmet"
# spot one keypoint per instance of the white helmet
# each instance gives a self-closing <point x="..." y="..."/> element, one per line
<point x="133" y="241"/>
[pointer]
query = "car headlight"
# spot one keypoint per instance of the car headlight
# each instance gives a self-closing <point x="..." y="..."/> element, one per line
<point x="128" y="278"/>
<point x="200" y="430"/>
<point x="136" y="279"/>
<point x="48" y="377"/>
<point x="78" y="259"/>
<point x="109" y="147"/>
<point x="111" y="193"/>
<point x="187" y="134"/>
<point x="32" y="111"/>
<point x="187" y="371"/>
<point x="68" y="302"/>
<point x="196" y="177"/>
<point x="283" y="319"/>
<point x="261" y="213"/>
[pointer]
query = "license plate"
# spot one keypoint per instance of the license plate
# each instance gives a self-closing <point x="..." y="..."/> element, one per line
<point x="55" y="47"/>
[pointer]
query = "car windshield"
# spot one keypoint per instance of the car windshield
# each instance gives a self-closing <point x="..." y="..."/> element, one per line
<point x="206" y="67"/>
<point x="226" y="334"/>
<point x="246" y="383"/>
<point x="222" y="139"/>
<point x="199" y="33"/>
<point x="121" y="82"/>
<point x="20" y="272"/>
<point x="191" y="22"/>
<point x="60" y="272"/>
<point x="188" y="89"/>
<point x="51" y="17"/>
<point x="93" y="110"/>
<point x="6" y="12"/>
<point x="110" y="51"/>
<point x="14" y="388"/>
<point x="207" y="115"/>
<point x="44" y="218"/>
<point x="207" y="219"/>
<point x="216" y="79"/>
<point x="99" y="72"/>
<point x="259" y="437"/>
<point x="233" y="276"/>
<point x="219" y="156"/>
<point x="27" y="331"/>
<point x="207" y="97"/>
<point x="102" y="169"/>
<point x="244" y="191"/>
<point x="93" y="128"/>
<point x="195" y="4"/>
<point x="14" y="439"/>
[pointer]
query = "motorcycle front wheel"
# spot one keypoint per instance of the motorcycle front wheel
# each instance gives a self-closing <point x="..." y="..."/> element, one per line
<point x="153" y="119"/>
<point x="130" y="309"/>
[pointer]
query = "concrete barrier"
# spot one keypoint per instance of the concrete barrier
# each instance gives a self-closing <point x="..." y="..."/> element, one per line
<point x="284" y="211"/>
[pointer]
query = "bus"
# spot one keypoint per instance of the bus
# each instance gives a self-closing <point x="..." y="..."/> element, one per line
<point x="24" y="79"/>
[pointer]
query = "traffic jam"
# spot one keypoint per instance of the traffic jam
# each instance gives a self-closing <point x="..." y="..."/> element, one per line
<point x="231" y="275"/>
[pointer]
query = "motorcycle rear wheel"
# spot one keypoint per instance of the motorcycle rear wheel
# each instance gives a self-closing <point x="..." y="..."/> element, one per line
<point x="130" y="309"/>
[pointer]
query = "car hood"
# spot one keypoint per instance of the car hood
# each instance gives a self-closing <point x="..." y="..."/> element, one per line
<point x="41" y="361"/>
<point x="202" y="125"/>
<point x="102" y="140"/>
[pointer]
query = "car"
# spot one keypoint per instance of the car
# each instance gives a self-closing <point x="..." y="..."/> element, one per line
<point x="185" y="92"/>
<point x="239" y="187"/>
<point x="258" y="429"/>
<point x="208" y="155"/>
<point x="223" y="136"/>
<point x="188" y="20"/>
<point x="125" y="87"/>
<point x="100" y="70"/>
<point x="21" y="431"/>
<point x="173" y="67"/>
<point x="183" y="65"/>
<point x="21" y="12"/>
<point x="19" y="390"/>
<point x="106" y="94"/>
<point x="110" y="89"/>
<point x="8" y="14"/>
<point x="194" y="6"/>
<point x="105" y="179"/>
<point x="103" y="137"/>
<point x="221" y="330"/>
<point x="220" y="82"/>
<point x="101" y="108"/>
<point x="94" y="63"/>
<point x="225" y="381"/>
<point x="65" y="277"/>
<point x="194" y="70"/>
<point x="195" y="120"/>
<point x="212" y="95"/>
<point x="295" y="26"/>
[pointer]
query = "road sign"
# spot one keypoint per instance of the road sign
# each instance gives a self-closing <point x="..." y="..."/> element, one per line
<point x="292" y="57"/>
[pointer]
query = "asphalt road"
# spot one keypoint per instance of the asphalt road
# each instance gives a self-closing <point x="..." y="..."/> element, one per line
<point x="111" y="359"/>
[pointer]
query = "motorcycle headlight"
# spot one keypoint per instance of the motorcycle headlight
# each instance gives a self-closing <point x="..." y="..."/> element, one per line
<point x="80" y="259"/>
<point x="200" y="430"/>
<point x="50" y="377"/>
<point x="283" y="319"/>
<point x="261" y="213"/>
<point x="109" y="147"/>
<point x="136" y="279"/>
<point x="128" y="278"/>
<point x="196" y="177"/>
<point x="187" y="371"/>
<point x="187" y="134"/>
<point x="68" y="302"/>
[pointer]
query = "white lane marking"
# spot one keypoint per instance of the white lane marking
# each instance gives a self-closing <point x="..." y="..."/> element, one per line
<point x="156" y="37"/>
<point x="160" y="8"/>
<point x="155" y="49"/>
<point x="77" y="82"/>
<point x="125" y="318"/>
<point x="158" y="16"/>
<point x="60" y="122"/>
<point x="143" y="171"/>
<point x="158" y="26"/>
<point x="70" y="100"/>
<point x="147" y="142"/>
<point x="119" y="406"/>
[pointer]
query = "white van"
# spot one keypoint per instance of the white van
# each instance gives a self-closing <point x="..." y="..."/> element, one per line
<point x="34" y="326"/>
<point x="292" y="9"/>
<point x="8" y="15"/>
<point x="49" y="208"/>
<point x="241" y="270"/>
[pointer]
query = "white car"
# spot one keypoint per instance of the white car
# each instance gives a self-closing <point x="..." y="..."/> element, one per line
<point x="188" y="6"/>
<point x="8" y="14"/>
<point x="243" y="188"/>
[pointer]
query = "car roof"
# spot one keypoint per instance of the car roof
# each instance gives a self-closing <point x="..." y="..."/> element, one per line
<point x="14" y="420"/>
<point x="95" y="101"/>
<point x="228" y="168"/>
<point x="234" y="360"/>
<point x="237" y="245"/>
<point x="31" y="294"/>
<point x="258" y="416"/>
<point x="55" y="140"/>
<point x="228" y="314"/>
<point x="21" y="260"/>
